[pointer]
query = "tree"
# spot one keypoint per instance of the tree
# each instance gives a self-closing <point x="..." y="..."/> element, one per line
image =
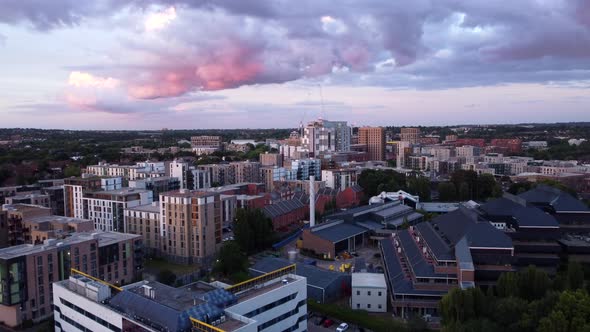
<point x="447" y="192"/>
<point x="487" y="187"/>
<point x="520" y="187"/>
<point x="231" y="259"/>
<point x="419" y="185"/>
<point x="570" y="314"/>
<point x="72" y="170"/>
<point x="253" y="230"/>
<point x="167" y="277"/>
<point x="575" y="275"/>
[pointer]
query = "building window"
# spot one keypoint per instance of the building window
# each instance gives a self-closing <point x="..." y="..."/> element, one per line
<point x="379" y="306"/>
<point x="358" y="305"/>
<point x="369" y="293"/>
<point x="358" y="292"/>
<point x="369" y="306"/>
<point x="379" y="294"/>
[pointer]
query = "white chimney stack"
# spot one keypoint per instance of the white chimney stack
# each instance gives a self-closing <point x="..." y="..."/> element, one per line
<point x="311" y="200"/>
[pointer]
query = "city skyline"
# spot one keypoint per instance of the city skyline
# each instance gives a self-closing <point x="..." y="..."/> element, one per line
<point x="264" y="64"/>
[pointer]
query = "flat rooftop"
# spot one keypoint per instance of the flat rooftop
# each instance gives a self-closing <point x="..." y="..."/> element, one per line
<point x="30" y="249"/>
<point x="368" y="280"/>
<point x="146" y="208"/>
<point x="57" y="219"/>
<point x="122" y="191"/>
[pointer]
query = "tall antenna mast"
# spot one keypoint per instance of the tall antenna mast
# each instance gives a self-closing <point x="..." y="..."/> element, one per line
<point x="322" y="100"/>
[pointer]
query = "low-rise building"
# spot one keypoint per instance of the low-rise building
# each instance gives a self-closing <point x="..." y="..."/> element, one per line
<point x="369" y="292"/>
<point x="273" y="302"/>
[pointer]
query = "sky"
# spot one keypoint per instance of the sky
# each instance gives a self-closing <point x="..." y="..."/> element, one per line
<point x="192" y="64"/>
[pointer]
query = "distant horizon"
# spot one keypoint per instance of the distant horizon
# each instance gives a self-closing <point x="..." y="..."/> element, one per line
<point x="284" y="128"/>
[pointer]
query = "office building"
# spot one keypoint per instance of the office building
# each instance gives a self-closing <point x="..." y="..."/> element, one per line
<point x="27" y="271"/>
<point x="179" y="169"/>
<point x="374" y="139"/>
<point x="272" y="302"/>
<point x="411" y="135"/>
<point x="369" y="292"/>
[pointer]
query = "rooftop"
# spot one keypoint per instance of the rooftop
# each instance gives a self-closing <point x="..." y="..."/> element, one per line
<point x="315" y="276"/>
<point x="366" y="280"/>
<point x="338" y="231"/>
<point x="146" y="208"/>
<point x="57" y="219"/>
<point x="559" y="200"/>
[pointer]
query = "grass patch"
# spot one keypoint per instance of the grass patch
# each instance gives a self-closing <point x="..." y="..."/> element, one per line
<point x="158" y="264"/>
<point x="357" y="317"/>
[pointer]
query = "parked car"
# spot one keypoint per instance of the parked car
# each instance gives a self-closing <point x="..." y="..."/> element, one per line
<point x="328" y="323"/>
<point x="342" y="327"/>
<point x="320" y="320"/>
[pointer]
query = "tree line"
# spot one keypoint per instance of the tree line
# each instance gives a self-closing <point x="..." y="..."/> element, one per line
<point x="520" y="302"/>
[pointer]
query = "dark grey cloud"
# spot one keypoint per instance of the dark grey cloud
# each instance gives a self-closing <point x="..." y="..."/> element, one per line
<point x="425" y="44"/>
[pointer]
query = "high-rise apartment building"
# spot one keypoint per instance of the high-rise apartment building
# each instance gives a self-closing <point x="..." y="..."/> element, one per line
<point x="273" y="302"/>
<point x="374" y="139"/>
<point x="467" y="151"/>
<point x="246" y="171"/>
<point x="74" y="189"/>
<point x="410" y="135"/>
<point x="271" y="159"/>
<point x="206" y="144"/>
<point x="105" y="208"/>
<point x="303" y="168"/>
<point x="326" y="136"/>
<point x="156" y="185"/>
<point x="404" y="149"/>
<point x="27" y="271"/>
<point x="144" y="220"/>
<point x="190" y="225"/>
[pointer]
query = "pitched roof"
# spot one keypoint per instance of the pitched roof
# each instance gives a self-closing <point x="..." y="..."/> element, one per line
<point x="339" y="232"/>
<point x="534" y="217"/>
<point x="485" y="235"/>
<point x="559" y="200"/>
<point x="281" y="208"/>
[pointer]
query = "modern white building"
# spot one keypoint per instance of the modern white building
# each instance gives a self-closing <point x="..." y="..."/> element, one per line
<point x="369" y="292"/>
<point x="75" y="188"/>
<point x="340" y="179"/>
<point x="179" y="169"/>
<point x="274" y="302"/>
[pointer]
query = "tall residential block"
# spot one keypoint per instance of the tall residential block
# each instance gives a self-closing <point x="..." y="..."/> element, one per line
<point x="271" y="159"/>
<point x="374" y="139"/>
<point x="326" y="136"/>
<point x="190" y="225"/>
<point x="74" y="189"/>
<point x="410" y="135"/>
